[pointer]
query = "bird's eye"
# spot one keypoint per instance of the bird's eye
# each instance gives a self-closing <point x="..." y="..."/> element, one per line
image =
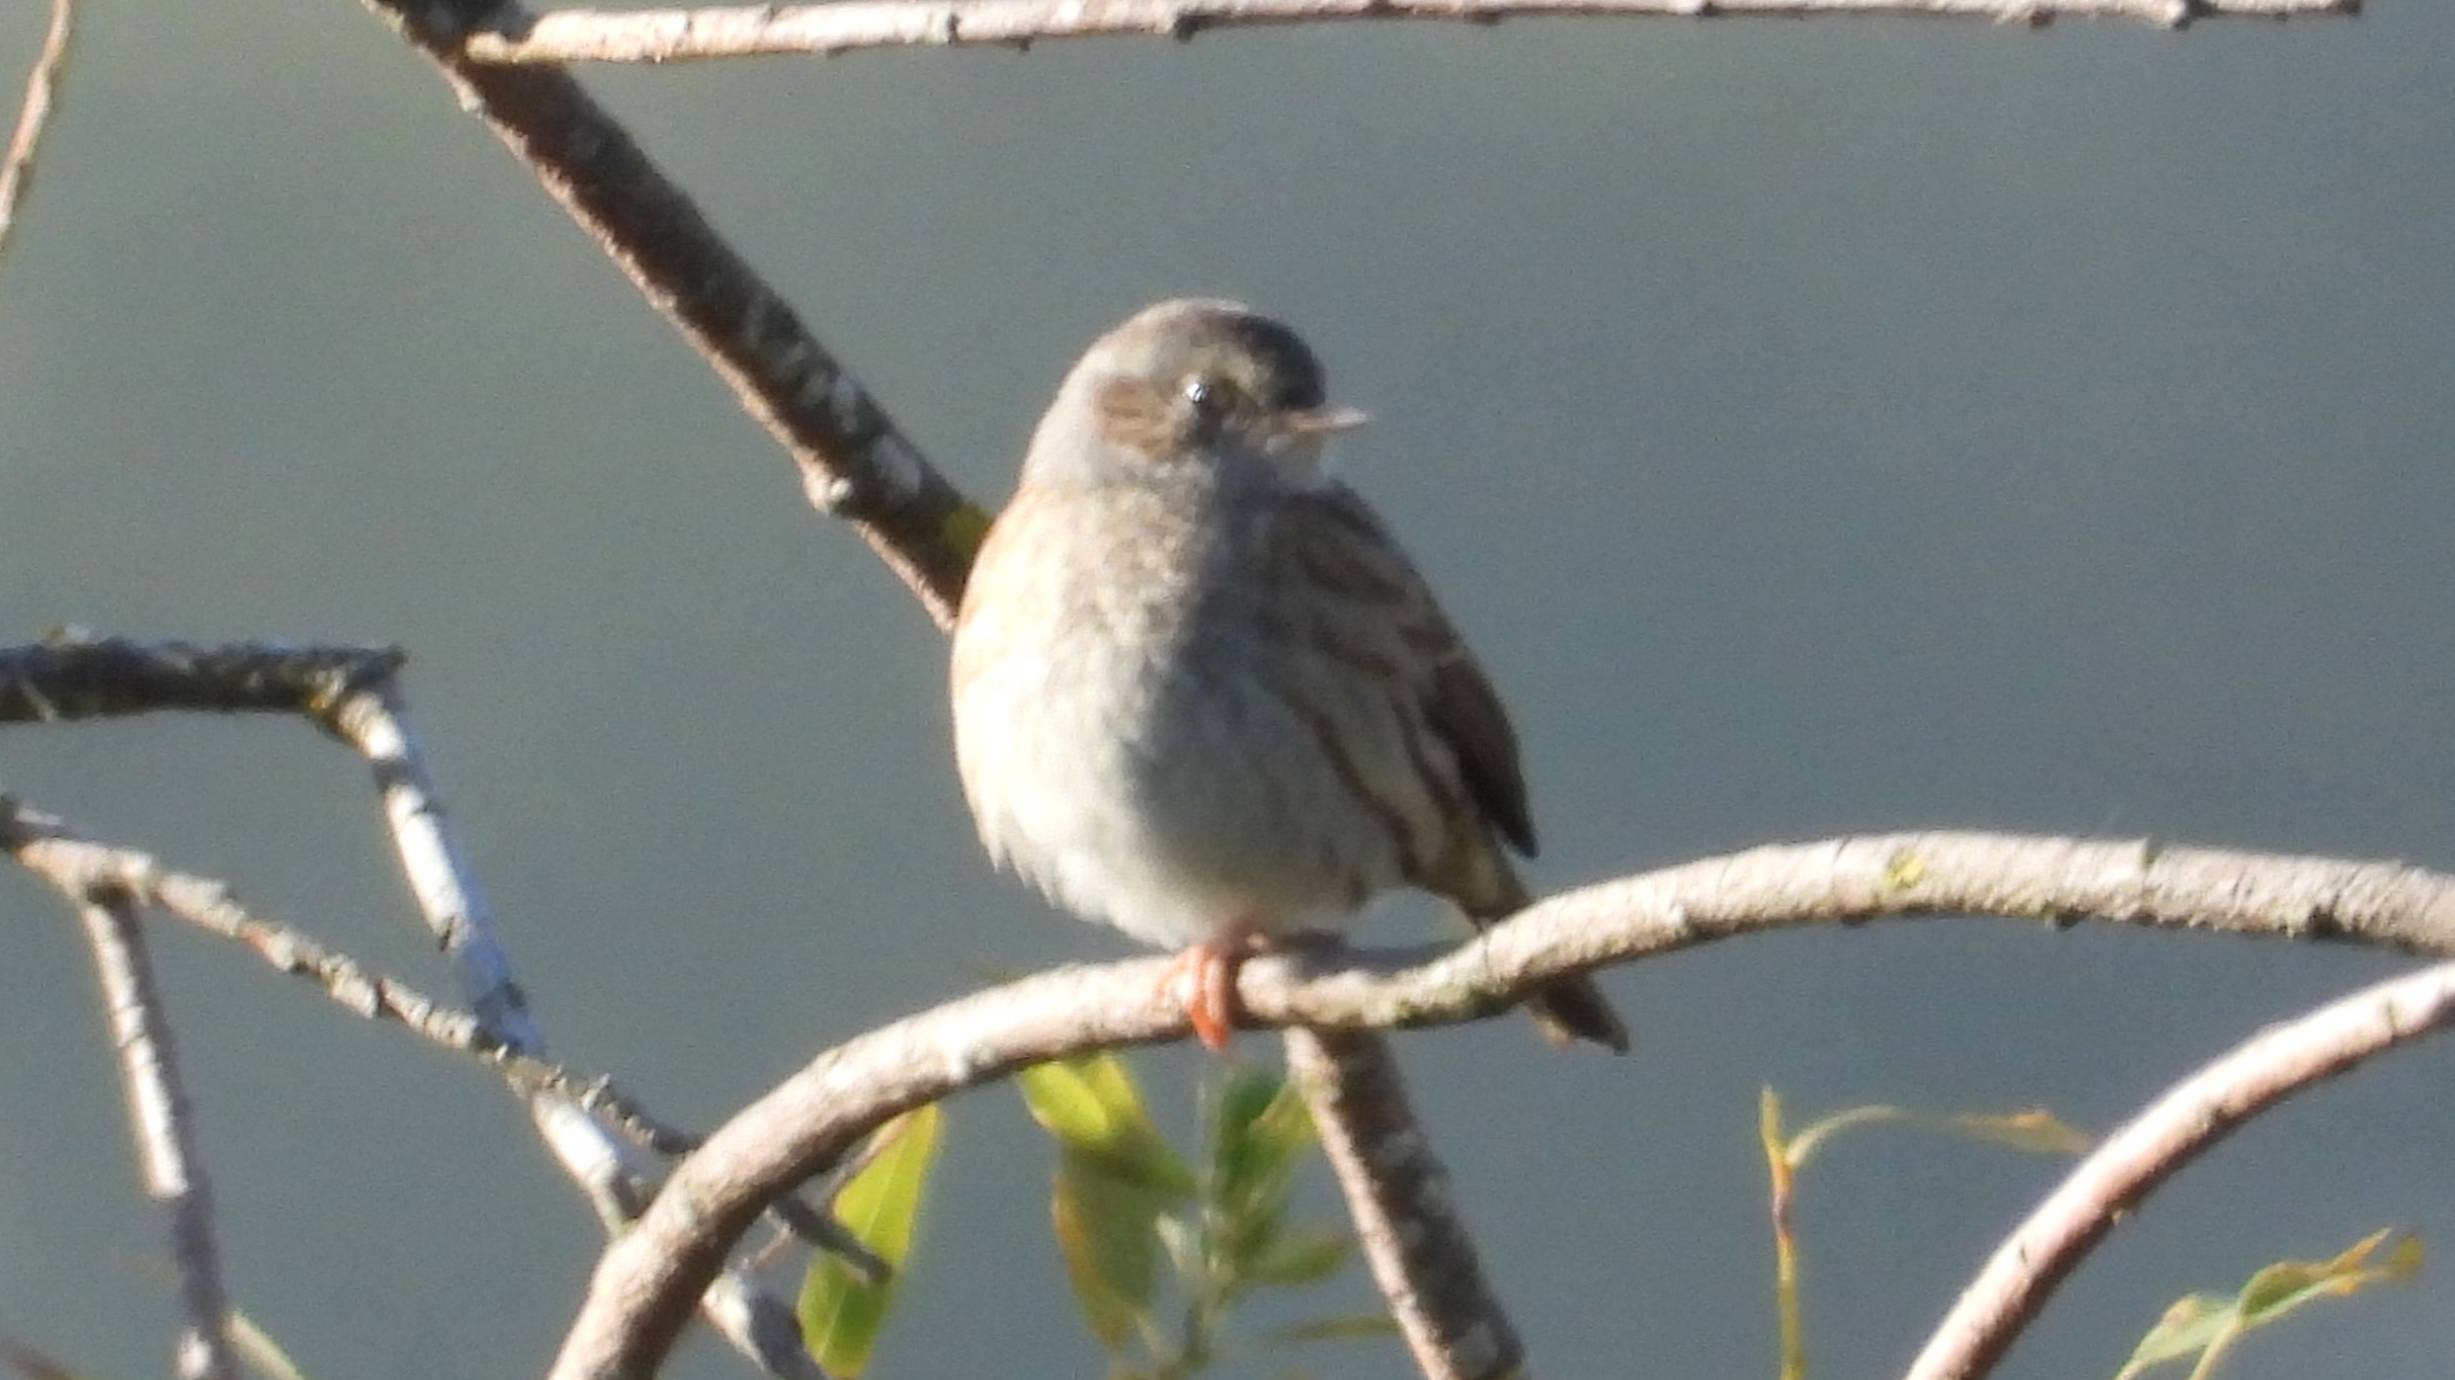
<point x="1206" y="396"/>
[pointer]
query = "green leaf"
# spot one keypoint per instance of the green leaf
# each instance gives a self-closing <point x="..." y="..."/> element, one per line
<point x="1116" y="1176"/>
<point x="841" y="1310"/>
<point x="1299" y="1255"/>
<point x="2205" y="1325"/>
<point x="1259" y="1133"/>
<point x="1093" y="1108"/>
<point x="1107" y="1230"/>
<point x="2189" y="1325"/>
<point x="1343" y="1328"/>
<point x="2036" y="1130"/>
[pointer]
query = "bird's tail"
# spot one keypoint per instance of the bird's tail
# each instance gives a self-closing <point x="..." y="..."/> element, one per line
<point x="1568" y="1010"/>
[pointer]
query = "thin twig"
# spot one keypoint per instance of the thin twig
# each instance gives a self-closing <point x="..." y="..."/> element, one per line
<point x="578" y="35"/>
<point x="641" y="1292"/>
<point x="159" y="1112"/>
<point x="79" y="865"/>
<point x="34" y="115"/>
<point x="2183" y="1122"/>
<point x="371" y="718"/>
<point x="854" y="463"/>
<point x="351" y="692"/>
<point x="1398" y="1195"/>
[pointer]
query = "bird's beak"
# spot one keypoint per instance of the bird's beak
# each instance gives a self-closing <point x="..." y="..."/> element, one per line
<point x="1326" y="421"/>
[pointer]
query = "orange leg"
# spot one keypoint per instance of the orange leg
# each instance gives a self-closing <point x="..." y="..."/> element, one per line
<point x="1204" y="979"/>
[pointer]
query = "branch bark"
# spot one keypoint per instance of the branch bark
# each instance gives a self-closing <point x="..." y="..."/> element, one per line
<point x="34" y="115"/>
<point x="1398" y="1194"/>
<point x="160" y="1115"/>
<point x="2184" y="1122"/>
<point x="75" y="675"/>
<point x="576" y="35"/>
<point x="640" y="1295"/>
<point x="854" y="463"/>
<point x="371" y="718"/>
<point x="351" y="692"/>
<point x="78" y="865"/>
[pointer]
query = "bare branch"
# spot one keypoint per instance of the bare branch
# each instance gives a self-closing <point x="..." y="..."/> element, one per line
<point x="351" y="693"/>
<point x="576" y="35"/>
<point x="854" y="463"/>
<point x="165" y="1134"/>
<point x="372" y="718"/>
<point x="2183" y="1122"/>
<point x="1398" y="1194"/>
<point x="78" y="865"/>
<point x="642" y="1288"/>
<point x="76" y="675"/>
<point x="33" y="115"/>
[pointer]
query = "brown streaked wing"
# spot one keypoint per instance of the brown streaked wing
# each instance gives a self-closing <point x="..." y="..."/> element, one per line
<point x="1351" y="549"/>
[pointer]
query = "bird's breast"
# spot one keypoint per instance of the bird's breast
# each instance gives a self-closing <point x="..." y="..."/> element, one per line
<point x="1116" y="743"/>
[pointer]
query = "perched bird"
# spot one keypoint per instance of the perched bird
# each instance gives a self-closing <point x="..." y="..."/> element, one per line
<point x="1201" y="695"/>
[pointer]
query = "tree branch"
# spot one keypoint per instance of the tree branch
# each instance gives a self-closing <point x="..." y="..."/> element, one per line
<point x="75" y="675"/>
<point x="2185" y="1121"/>
<point x="641" y="1292"/>
<point x="158" y="1111"/>
<point x="351" y="693"/>
<point x="577" y="35"/>
<point x="854" y="463"/>
<point x="34" y="115"/>
<point x="78" y="865"/>
<point x="1398" y="1194"/>
<point x="371" y="718"/>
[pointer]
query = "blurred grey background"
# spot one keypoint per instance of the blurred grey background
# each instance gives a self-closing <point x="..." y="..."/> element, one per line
<point x="1818" y="427"/>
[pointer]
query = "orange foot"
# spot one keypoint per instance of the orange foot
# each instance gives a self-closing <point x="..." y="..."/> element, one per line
<point x="1204" y="979"/>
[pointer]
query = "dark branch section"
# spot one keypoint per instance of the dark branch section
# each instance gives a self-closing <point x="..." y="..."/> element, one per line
<point x="77" y="676"/>
<point x="854" y="463"/>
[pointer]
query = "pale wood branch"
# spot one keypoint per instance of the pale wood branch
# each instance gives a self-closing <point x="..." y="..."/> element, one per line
<point x="641" y="1292"/>
<point x="673" y="35"/>
<point x="78" y="865"/>
<point x="352" y="693"/>
<point x="1397" y="1192"/>
<point x="371" y="718"/>
<point x="34" y="115"/>
<point x="2183" y="1122"/>
<point x="164" y="1124"/>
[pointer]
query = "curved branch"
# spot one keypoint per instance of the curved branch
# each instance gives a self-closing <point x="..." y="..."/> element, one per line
<point x="642" y="1290"/>
<point x="849" y="25"/>
<point x="2182" y="1123"/>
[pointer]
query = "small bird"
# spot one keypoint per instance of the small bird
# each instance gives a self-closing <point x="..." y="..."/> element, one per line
<point x="1201" y="695"/>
